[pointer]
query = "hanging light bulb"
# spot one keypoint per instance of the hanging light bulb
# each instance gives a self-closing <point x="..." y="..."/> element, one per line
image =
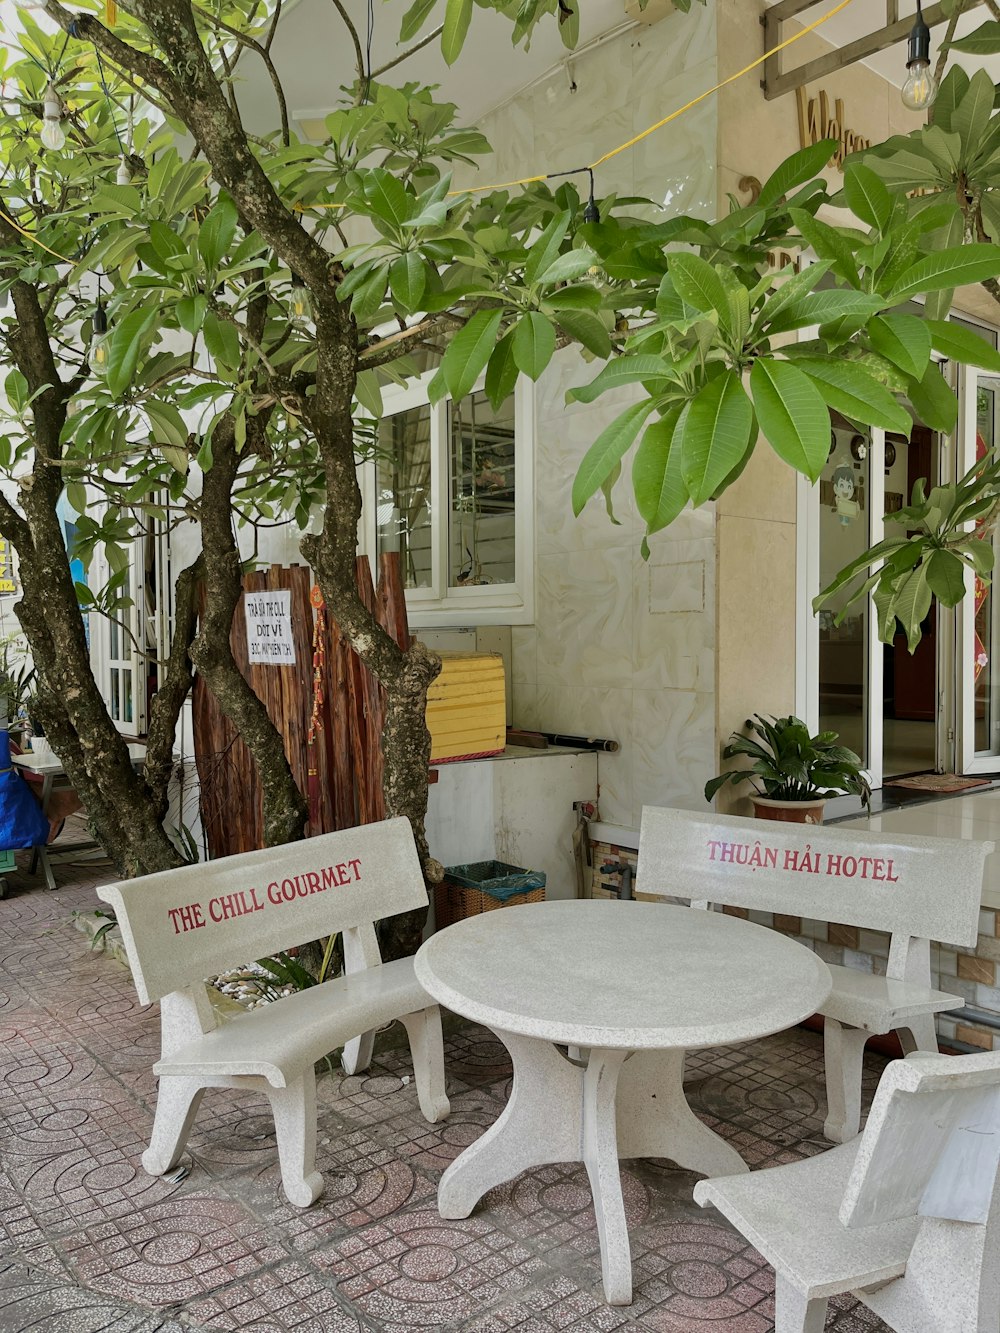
<point x="299" y="304"/>
<point x="52" y="135"/>
<point x="99" y="349"/>
<point x="920" y="88"/>
<point x="591" y="212"/>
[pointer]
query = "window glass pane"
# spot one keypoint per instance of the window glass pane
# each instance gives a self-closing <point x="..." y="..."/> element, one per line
<point x="482" y="487"/>
<point x="843" y="534"/>
<point x="115" y="705"/>
<point x="403" y="481"/>
<point x="127" y="711"/>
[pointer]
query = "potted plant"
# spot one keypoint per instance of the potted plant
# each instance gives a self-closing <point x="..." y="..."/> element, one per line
<point x="792" y="772"/>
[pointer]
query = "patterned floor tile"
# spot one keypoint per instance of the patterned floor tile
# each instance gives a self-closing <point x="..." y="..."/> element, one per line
<point x="91" y="1244"/>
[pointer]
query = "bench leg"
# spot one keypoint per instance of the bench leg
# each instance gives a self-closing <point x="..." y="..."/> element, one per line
<point x="794" y="1313"/>
<point x="427" y="1049"/>
<point x="177" y="1102"/>
<point x="358" y="1053"/>
<point x="294" y="1111"/>
<point x="919" y="1034"/>
<point x="844" y="1048"/>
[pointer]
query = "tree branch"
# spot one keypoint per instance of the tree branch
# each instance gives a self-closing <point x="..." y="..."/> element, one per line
<point x="405" y="55"/>
<point x="172" y="690"/>
<point x="358" y="53"/>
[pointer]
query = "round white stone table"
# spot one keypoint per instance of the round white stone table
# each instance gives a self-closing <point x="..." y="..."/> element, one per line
<point x="626" y="988"/>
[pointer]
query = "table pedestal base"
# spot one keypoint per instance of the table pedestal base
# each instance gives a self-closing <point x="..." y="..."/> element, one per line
<point x="611" y="1106"/>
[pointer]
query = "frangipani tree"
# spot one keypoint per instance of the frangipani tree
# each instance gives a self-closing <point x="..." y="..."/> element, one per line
<point x="260" y="291"/>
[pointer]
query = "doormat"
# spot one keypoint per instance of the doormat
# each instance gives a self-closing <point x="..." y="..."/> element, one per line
<point x="937" y="782"/>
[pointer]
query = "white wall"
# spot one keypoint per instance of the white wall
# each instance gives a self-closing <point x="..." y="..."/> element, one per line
<point x="619" y="648"/>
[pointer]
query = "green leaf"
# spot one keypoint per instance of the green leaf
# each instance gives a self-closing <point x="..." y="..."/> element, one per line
<point x="501" y="373"/>
<point x="793" y="416"/>
<point x="629" y="369"/>
<point x="221" y="341"/>
<point x="867" y="196"/>
<point x="946" y="577"/>
<point x="585" y="328"/>
<point x="191" y="313"/>
<point x="407" y="280"/>
<point x="415" y="18"/>
<point x="911" y="602"/>
<point x="606" y="452"/>
<point x="543" y="251"/>
<point x="962" y="345"/>
<point x="948" y="268"/>
<point x="565" y="268"/>
<point x="824" y="307"/>
<point x="469" y="351"/>
<point x="457" y="17"/>
<point x="849" y="389"/>
<point x="934" y="401"/>
<point x="697" y="282"/>
<point x="972" y="115"/>
<point x="215" y="235"/>
<point x="168" y="426"/>
<point x="904" y="340"/>
<point x="124" y="345"/>
<point x="796" y="170"/>
<point x="534" y="344"/>
<point x="985" y="41"/>
<point x="828" y="243"/>
<point x="716" y="435"/>
<point x="660" y="492"/>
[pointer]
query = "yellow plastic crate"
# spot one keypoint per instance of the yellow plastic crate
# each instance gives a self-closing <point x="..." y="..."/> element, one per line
<point x="467" y="707"/>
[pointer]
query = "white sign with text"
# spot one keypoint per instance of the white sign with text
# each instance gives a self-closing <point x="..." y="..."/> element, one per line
<point x="269" y="627"/>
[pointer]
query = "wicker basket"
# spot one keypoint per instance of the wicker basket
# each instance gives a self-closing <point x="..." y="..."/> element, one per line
<point x="468" y="890"/>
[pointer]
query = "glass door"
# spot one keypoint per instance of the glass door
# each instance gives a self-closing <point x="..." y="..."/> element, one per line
<point x="978" y="666"/>
<point x="851" y="497"/>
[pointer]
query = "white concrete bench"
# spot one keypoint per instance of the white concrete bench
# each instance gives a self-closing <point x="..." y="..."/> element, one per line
<point x="917" y="889"/>
<point x="182" y="926"/>
<point x="906" y="1218"/>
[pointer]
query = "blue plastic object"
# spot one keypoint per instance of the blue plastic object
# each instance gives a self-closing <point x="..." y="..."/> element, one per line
<point x="22" y="823"/>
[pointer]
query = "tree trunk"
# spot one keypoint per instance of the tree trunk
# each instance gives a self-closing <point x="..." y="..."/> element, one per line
<point x="285" y="807"/>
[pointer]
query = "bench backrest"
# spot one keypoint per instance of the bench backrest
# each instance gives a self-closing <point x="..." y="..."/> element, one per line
<point x="929" y="888"/>
<point x="931" y="1147"/>
<point x="183" y="925"/>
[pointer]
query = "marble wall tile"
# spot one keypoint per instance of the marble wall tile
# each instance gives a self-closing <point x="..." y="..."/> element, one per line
<point x="592" y="712"/>
<point x="583" y="607"/>
<point x="673" y="740"/>
<point x="673" y="629"/>
<point x="676" y="44"/>
<point x="675" y="166"/>
<point x="560" y="445"/>
<point x="524" y="654"/>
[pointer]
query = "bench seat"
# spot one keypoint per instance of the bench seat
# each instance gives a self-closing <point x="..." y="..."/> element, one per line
<point x="915" y="889"/>
<point x="906" y="1218"/>
<point x="278" y="1041"/>
<point x="789" y="1214"/>
<point x="181" y="926"/>
<point x="881" y="1004"/>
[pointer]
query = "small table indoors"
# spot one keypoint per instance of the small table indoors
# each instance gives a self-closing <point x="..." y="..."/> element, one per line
<point x="597" y="1001"/>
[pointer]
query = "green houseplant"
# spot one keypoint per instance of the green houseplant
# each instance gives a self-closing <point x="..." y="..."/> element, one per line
<point x="792" y="772"/>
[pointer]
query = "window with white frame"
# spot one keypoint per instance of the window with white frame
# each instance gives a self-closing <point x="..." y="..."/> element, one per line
<point x="452" y="492"/>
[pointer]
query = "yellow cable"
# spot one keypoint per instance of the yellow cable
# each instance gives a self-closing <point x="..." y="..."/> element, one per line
<point x="34" y="239"/>
<point x="789" y="41"/>
<point x="754" y="64"/>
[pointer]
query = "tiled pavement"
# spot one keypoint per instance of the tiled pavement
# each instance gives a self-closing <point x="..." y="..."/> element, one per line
<point x="89" y="1243"/>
